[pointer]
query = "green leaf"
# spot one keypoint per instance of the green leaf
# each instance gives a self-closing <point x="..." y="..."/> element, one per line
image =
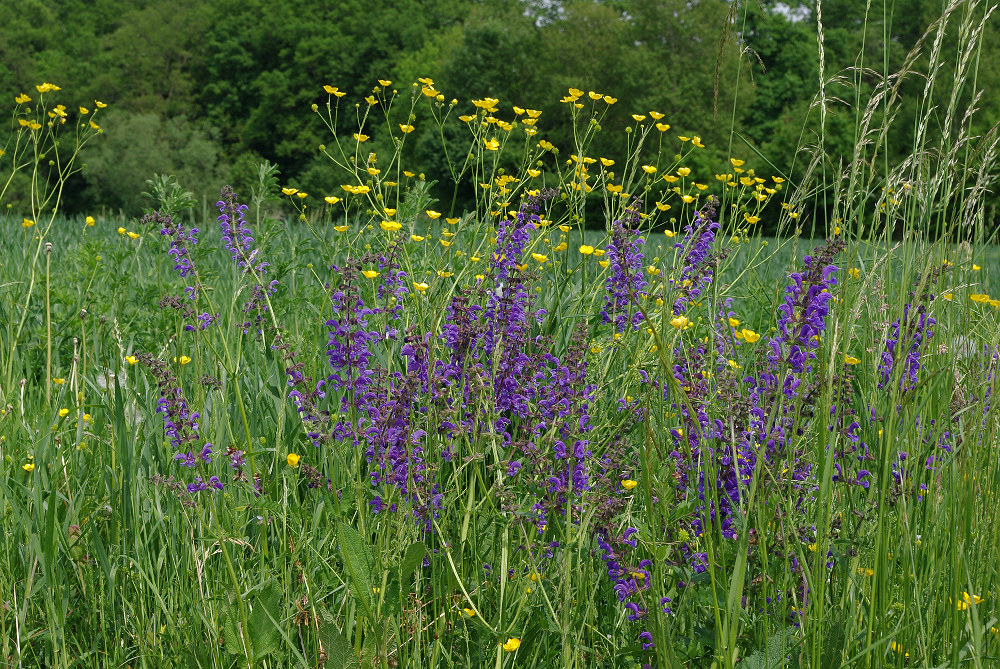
<point x="412" y="559"/>
<point x="339" y="654"/>
<point x="359" y="561"/>
<point x="772" y="655"/>
<point x="263" y="621"/>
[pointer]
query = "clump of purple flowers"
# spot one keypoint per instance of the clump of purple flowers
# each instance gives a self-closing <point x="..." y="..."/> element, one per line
<point x="698" y="261"/>
<point x="626" y="282"/>
<point x="238" y="240"/>
<point x="180" y="423"/>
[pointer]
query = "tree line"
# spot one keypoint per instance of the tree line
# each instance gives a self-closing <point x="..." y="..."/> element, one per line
<point x="206" y="89"/>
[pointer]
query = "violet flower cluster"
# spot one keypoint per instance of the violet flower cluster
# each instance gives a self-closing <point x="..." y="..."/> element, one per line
<point x="238" y="240"/>
<point x="180" y="240"/>
<point x="180" y="423"/>
<point x="626" y="282"/>
<point x="698" y="262"/>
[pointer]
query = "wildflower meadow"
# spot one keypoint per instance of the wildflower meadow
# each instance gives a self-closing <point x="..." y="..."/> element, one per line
<point x="548" y="407"/>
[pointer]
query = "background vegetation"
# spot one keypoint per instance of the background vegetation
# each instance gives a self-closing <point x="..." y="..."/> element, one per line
<point x="204" y="89"/>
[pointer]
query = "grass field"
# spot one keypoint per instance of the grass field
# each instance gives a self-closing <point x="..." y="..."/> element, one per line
<point x="358" y="429"/>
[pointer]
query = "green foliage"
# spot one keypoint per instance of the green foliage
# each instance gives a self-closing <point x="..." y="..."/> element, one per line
<point x="243" y="83"/>
<point x="138" y="145"/>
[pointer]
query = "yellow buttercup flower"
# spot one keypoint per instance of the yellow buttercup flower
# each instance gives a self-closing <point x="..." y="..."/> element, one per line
<point x="586" y="250"/>
<point x="406" y="128"/>
<point x="27" y="223"/>
<point x="63" y="413"/>
<point x="331" y="199"/>
<point x="369" y="274"/>
<point x="384" y="82"/>
<point x="649" y="169"/>
<point x="629" y="484"/>
<point x="390" y="226"/>
<point x="29" y="467"/>
<point x="90" y="221"/>
<point x="121" y="231"/>
<point x="22" y="99"/>
<point x="184" y="360"/>
<point x="539" y="257"/>
<point x="511" y="644"/>
<point x="293" y="459"/>
<point x="417" y="238"/>
<point x="99" y="104"/>
<point x="420" y="286"/>
<point x="432" y="214"/>
<point x="360" y="137"/>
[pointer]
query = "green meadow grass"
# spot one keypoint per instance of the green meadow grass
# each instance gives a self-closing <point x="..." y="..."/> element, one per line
<point x="109" y="561"/>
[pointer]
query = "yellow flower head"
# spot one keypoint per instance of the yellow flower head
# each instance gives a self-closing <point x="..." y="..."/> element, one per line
<point x="629" y="484"/>
<point x="390" y="226"/>
<point x="29" y="467"/>
<point x="420" y="286"/>
<point x="511" y="644"/>
<point x="63" y="413"/>
<point x="433" y="214"/>
<point x="331" y="199"/>
<point x="90" y="221"/>
<point x="293" y="459"/>
<point x="369" y="274"/>
<point x="27" y="223"/>
<point x="184" y="360"/>
<point x="539" y="257"/>
<point x="131" y="359"/>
